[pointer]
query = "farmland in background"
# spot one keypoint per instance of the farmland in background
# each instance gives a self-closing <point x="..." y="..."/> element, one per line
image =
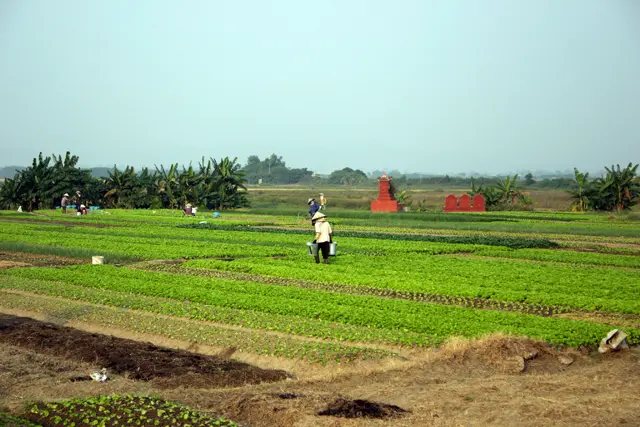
<point x="402" y="286"/>
<point x="359" y="198"/>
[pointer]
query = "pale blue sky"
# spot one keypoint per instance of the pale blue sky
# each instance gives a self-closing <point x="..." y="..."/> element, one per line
<point x="416" y="85"/>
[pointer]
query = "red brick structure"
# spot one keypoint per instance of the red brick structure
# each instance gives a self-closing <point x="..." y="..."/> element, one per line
<point x="386" y="202"/>
<point x="451" y="203"/>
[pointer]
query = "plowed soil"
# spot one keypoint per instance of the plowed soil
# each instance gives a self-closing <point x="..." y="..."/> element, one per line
<point x="137" y="360"/>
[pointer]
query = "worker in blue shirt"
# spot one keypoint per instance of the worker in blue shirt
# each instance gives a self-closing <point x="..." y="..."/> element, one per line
<point x="313" y="207"/>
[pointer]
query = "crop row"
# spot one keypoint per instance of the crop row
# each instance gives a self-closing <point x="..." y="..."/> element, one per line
<point x="437" y="321"/>
<point x="549" y="284"/>
<point x="244" y="340"/>
<point x="152" y="242"/>
<point x="478" y="303"/>
<point x="579" y="258"/>
<point x="133" y="247"/>
<point x="608" y="229"/>
<point x="295" y="325"/>
<point x="511" y="242"/>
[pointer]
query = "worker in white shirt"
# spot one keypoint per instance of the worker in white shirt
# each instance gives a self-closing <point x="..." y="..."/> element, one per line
<point x="324" y="235"/>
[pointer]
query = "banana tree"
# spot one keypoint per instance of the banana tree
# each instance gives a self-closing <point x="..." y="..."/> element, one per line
<point x="187" y="191"/>
<point x="228" y="184"/>
<point x="622" y="186"/>
<point x="508" y="189"/>
<point x="12" y="193"/>
<point x="122" y="185"/>
<point x="167" y="185"/>
<point x="581" y="191"/>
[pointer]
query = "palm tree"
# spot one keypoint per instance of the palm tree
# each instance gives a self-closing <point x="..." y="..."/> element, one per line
<point x="167" y="184"/>
<point x="228" y="183"/>
<point x="11" y="192"/>
<point x="187" y="191"/>
<point x="124" y="185"/>
<point x="621" y="185"/>
<point x="37" y="182"/>
<point x="508" y="189"/>
<point x="582" y="191"/>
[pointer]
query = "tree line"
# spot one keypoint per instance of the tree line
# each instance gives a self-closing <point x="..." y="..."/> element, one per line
<point x="215" y="184"/>
<point x="221" y="184"/>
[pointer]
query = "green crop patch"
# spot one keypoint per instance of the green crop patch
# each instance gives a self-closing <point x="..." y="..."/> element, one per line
<point x="515" y="243"/>
<point x="119" y="410"/>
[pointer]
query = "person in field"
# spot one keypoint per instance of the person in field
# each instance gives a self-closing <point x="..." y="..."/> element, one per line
<point x="323" y="202"/>
<point x="64" y="202"/>
<point x="313" y="207"/>
<point x="324" y="236"/>
<point x="79" y="204"/>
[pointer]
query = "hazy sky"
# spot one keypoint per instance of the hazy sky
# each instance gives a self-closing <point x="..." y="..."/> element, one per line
<point x="415" y="85"/>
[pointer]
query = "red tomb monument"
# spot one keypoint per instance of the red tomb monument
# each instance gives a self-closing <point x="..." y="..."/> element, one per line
<point x="386" y="202"/>
<point x="451" y="203"/>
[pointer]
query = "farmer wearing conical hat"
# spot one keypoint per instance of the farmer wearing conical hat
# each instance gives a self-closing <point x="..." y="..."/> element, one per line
<point x="323" y="202"/>
<point x="324" y="236"/>
<point x="313" y="207"/>
<point x="64" y="202"/>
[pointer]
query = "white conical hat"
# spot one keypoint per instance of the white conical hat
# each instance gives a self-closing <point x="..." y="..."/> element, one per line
<point x="318" y="215"/>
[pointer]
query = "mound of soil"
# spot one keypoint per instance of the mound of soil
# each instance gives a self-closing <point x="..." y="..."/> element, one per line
<point x="141" y="361"/>
<point x="361" y="409"/>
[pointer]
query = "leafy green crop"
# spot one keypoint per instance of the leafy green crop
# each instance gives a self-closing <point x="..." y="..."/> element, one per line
<point x="437" y="321"/>
<point x="103" y="411"/>
<point x="511" y="242"/>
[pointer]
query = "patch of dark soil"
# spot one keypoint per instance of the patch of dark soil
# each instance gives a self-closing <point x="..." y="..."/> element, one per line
<point x="140" y="361"/>
<point x="80" y="379"/>
<point x="361" y="409"/>
<point x="287" y="396"/>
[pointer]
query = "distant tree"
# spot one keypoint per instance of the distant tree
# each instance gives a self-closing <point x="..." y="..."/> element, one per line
<point x="528" y="179"/>
<point x="273" y="170"/>
<point x="347" y="176"/>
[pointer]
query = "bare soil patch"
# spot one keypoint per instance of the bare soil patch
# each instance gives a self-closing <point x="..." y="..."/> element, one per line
<point x="9" y="264"/>
<point x="361" y="408"/>
<point x="139" y="361"/>
<point x="9" y="259"/>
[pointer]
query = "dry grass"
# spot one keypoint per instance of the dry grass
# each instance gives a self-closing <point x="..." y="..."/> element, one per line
<point x="464" y="382"/>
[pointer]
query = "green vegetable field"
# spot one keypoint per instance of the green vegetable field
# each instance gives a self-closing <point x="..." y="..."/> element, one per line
<point x="398" y="284"/>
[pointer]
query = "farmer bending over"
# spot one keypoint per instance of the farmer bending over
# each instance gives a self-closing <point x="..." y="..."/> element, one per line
<point x="323" y="236"/>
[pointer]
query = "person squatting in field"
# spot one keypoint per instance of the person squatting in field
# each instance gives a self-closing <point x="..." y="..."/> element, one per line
<point x="324" y="236"/>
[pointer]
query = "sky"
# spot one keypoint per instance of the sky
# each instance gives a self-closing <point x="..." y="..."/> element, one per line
<point x="447" y="86"/>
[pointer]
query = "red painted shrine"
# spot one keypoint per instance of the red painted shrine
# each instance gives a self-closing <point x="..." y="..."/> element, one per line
<point x="451" y="203"/>
<point x="386" y="202"/>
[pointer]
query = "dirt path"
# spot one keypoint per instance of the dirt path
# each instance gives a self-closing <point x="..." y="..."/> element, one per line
<point x="9" y="259"/>
<point x="478" y="383"/>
